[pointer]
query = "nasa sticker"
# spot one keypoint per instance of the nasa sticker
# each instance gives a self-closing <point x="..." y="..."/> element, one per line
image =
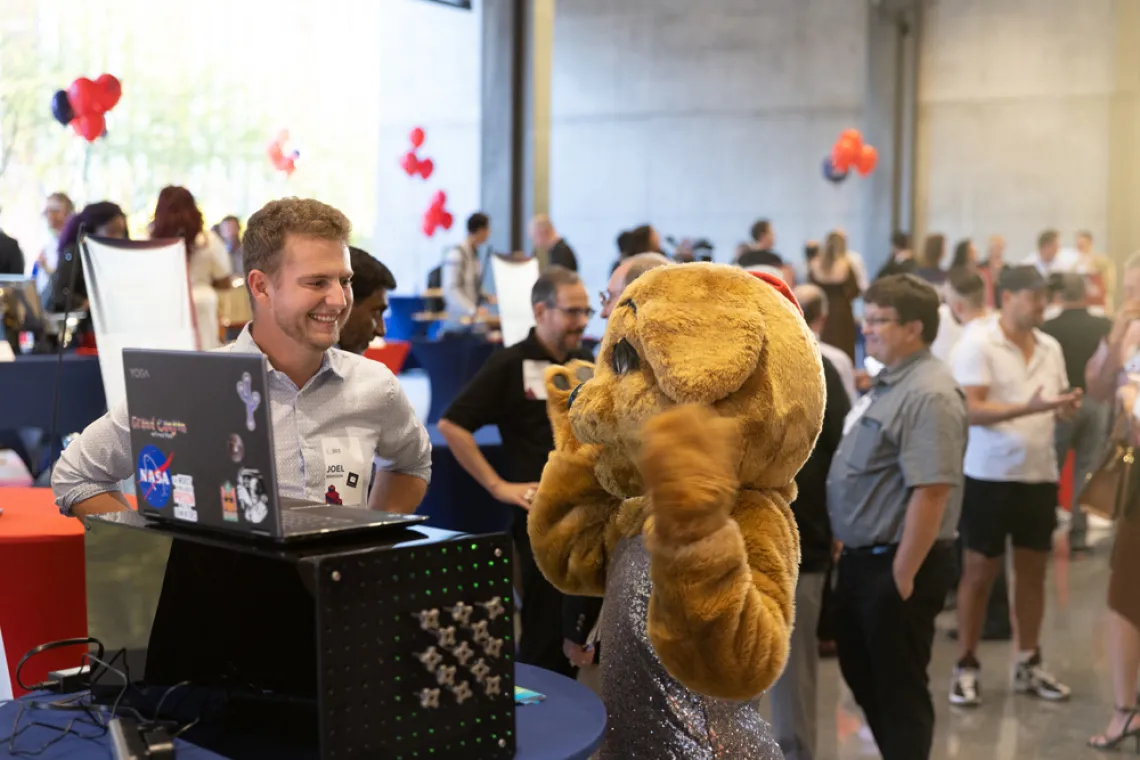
<point x="252" y="498"/>
<point x="185" y="505"/>
<point x="154" y="482"/>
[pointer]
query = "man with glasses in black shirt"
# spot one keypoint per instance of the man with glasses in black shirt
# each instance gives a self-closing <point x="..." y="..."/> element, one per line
<point x="510" y="392"/>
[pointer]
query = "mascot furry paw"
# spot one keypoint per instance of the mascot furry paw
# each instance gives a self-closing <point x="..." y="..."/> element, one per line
<point x="668" y="492"/>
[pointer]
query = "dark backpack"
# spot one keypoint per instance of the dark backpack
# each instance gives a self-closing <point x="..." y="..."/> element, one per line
<point x="435" y="282"/>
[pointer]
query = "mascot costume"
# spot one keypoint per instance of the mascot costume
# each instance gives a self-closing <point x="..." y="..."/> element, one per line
<point x="668" y="492"/>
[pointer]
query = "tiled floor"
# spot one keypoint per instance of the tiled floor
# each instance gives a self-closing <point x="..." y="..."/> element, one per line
<point x="1006" y="726"/>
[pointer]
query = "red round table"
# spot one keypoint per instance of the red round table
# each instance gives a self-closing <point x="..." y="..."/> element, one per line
<point x="43" y="586"/>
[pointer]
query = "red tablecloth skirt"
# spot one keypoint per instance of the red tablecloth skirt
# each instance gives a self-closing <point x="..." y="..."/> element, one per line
<point x="43" y="586"/>
<point x="392" y="354"/>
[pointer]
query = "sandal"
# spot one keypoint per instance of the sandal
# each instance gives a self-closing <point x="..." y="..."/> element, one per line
<point x="1106" y="742"/>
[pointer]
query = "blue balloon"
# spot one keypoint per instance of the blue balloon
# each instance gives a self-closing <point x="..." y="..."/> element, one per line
<point x="830" y="174"/>
<point x="61" y="108"/>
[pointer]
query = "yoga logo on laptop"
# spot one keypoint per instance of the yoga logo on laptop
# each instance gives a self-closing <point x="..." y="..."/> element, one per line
<point x="154" y="476"/>
<point x="249" y="397"/>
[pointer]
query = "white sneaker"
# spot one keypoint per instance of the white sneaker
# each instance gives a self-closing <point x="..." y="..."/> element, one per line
<point x="1031" y="677"/>
<point x="965" y="690"/>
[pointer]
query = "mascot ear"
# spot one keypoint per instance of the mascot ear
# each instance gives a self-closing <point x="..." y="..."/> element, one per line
<point x="702" y="343"/>
<point x="779" y="285"/>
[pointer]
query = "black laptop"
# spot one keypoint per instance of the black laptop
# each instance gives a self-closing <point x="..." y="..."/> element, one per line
<point x="202" y="442"/>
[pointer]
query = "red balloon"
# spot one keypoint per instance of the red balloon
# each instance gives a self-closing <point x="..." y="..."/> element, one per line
<point x="409" y="163"/>
<point x="417" y="137"/>
<point x="439" y="198"/>
<point x="852" y="135"/>
<point x="845" y="154"/>
<point x="85" y="97"/>
<point x="447" y="220"/>
<point x="111" y="89"/>
<point x="90" y="127"/>
<point x="839" y="160"/>
<point x="426" y="167"/>
<point x="868" y="159"/>
<point x="428" y="226"/>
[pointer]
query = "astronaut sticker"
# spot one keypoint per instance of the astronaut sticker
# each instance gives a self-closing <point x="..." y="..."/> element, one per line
<point x="252" y="498"/>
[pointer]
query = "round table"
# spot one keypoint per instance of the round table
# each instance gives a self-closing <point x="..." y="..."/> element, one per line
<point x="568" y="725"/>
<point x="44" y="594"/>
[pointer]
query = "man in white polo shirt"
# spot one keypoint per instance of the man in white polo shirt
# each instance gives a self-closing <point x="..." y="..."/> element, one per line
<point x="1016" y="386"/>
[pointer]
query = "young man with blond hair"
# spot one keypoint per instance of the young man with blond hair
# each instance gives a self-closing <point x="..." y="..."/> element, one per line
<point x="299" y="278"/>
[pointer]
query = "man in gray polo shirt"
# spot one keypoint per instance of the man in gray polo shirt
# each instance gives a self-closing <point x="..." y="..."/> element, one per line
<point x="894" y="495"/>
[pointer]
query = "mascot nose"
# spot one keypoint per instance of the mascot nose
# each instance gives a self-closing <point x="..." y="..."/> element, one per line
<point x="573" y="395"/>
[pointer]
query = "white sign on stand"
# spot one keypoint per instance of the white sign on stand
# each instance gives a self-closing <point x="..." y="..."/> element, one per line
<point x="140" y="298"/>
<point x="513" y="282"/>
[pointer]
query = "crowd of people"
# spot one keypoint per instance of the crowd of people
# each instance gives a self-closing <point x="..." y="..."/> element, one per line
<point x="940" y="452"/>
<point x="943" y="450"/>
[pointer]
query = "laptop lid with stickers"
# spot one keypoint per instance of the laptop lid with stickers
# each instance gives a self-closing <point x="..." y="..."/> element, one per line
<point x="201" y="439"/>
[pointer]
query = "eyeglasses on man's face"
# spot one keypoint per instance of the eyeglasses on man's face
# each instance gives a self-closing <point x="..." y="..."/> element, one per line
<point x="577" y="312"/>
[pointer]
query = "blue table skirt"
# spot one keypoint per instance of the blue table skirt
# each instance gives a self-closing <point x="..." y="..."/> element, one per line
<point x="398" y="322"/>
<point x="27" y="395"/>
<point x="454" y="500"/>
<point x="27" y="391"/>
<point x="569" y="725"/>
<point x="450" y="362"/>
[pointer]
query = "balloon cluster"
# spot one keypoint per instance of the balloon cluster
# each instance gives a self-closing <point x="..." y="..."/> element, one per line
<point x="282" y="154"/>
<point x="849" y="152"/>
<point x="410" y="163"/>
<point x="84" y="105"/>
<point x="437" y="216"/>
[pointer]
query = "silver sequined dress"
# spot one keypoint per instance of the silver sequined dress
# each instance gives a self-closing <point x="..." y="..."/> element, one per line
<point x="651" y="715"/>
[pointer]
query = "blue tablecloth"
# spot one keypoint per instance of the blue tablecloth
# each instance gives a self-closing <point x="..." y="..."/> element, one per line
<point x="450" y="363"/>
<point x="454" y="501"/>
<point x="27" y="393"/>
<point x="569" y="725"/>
<point x="398" y="322"/>
<point x="27" y="388"/>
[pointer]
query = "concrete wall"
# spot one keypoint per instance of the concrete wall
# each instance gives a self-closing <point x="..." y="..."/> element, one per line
<point x="429" y="77"/>
<point x="700" y="117"/>
<point x="1015" y="102"/>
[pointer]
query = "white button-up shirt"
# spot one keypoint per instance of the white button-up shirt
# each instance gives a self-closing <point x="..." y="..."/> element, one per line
<point x="352" y="407"/>
<point x="1022" y="449"/>
<point x="1066" y="260"/>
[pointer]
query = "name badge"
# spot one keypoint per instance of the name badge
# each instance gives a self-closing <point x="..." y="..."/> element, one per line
<point x="345" y="475"/>
<point x="534" y="379"/>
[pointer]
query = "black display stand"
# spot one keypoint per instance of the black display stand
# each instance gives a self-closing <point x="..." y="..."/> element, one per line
<point x="401" y="643"/>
